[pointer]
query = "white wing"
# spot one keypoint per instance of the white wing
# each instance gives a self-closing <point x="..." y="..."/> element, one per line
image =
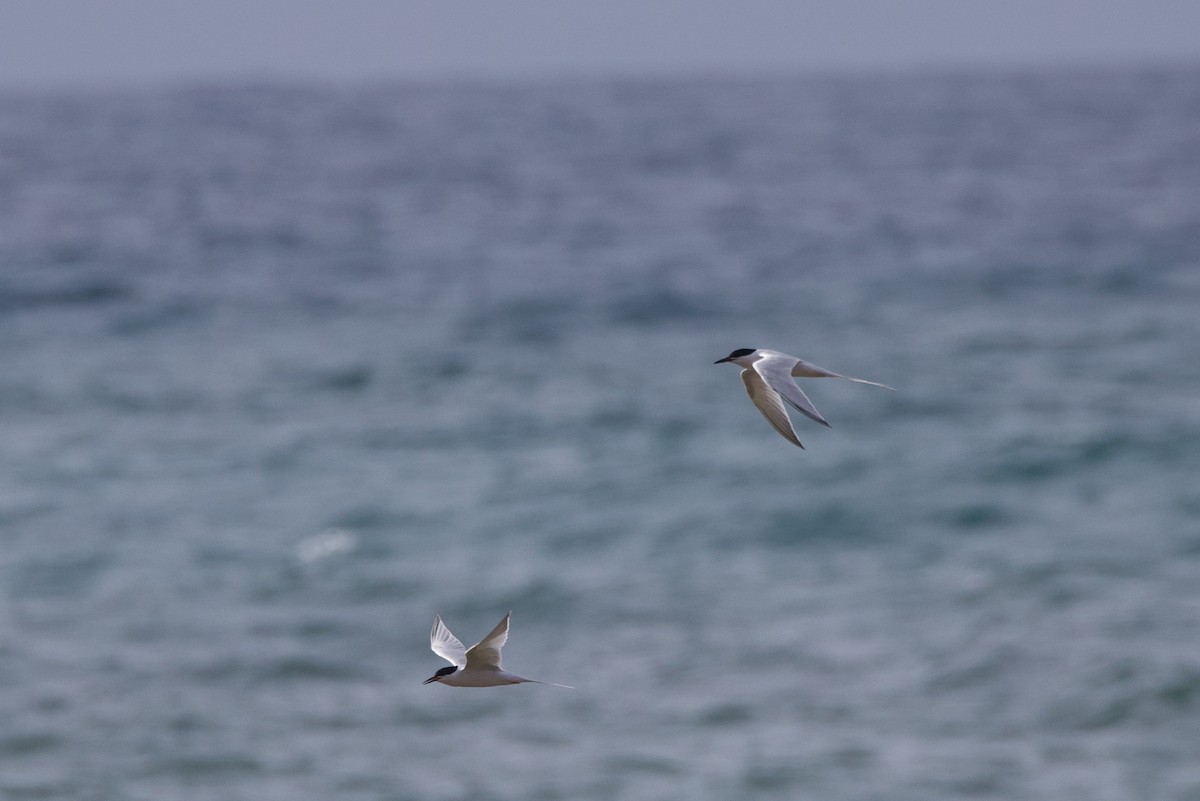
<point x="446" y="645"/>
<point x="809" y="370"/>
<point x="770" y="404"/>
<point x="485" y="654"/>
<point x="776" y="370"/>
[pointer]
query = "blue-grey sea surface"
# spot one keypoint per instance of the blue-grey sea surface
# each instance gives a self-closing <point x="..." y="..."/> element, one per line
<point x="288" y="369"/>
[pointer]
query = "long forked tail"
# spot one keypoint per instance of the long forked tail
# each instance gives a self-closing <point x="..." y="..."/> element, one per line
<point x="550" y="683"/>
<point x="805" y="369"/>
<point x="862" y="381"/>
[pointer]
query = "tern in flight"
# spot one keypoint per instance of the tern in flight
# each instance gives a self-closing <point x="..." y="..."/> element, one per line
<point x="477" y="666"/>
<point x="768" y="379"/>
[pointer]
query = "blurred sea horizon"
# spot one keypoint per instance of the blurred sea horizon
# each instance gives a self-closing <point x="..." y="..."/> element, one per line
<point x="289" y="369"/>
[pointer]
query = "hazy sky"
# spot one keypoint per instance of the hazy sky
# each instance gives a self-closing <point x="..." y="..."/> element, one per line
<point x="90" y="42"/>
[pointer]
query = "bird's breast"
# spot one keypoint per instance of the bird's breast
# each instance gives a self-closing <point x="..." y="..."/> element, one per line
<point x="480" y="678"/>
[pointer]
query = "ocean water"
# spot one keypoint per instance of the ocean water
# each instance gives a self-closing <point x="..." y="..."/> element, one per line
<point x="286" y="370"/>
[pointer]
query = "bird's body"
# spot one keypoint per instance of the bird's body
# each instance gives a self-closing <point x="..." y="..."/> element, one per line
<point x="480" y="678"/>
<point x="478" y="666"/>
<point x="768" y="374"/>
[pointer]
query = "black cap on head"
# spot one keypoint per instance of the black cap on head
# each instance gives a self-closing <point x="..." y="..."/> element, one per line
<point x="737" y="354"/>
<point x="446" y="671"/>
